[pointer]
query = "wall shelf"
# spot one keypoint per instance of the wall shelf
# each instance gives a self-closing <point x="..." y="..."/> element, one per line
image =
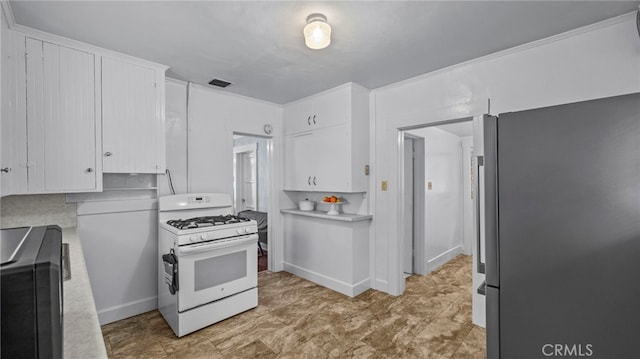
<point x="344" y="217"/>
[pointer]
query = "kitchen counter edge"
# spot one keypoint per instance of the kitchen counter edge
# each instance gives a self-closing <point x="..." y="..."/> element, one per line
<point x="344" y="217"/>
<point x="82" y="333"/>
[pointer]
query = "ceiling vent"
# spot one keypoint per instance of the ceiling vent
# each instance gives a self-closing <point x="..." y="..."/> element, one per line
<point x="219" y="83"/>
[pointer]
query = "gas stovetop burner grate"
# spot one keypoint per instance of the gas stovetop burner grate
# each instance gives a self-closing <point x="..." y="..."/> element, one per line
<point x="208" y="221"/>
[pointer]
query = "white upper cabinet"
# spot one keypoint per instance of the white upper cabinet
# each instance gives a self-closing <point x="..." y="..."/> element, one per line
<point x="326" y="109"/>
<point x="13" y="127"/>
<point x="62" y="119"/>
<point x="133" y="138"/>
<point x="55" y="109"/>
<point x="330" y="154"/>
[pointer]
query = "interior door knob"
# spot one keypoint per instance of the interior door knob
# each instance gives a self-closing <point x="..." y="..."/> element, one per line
<point x="5" y="170"/>
<point x="89" y="169"/>
<point x="107" y="154"/>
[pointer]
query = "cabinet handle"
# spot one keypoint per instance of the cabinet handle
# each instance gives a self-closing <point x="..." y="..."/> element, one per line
<point x="314" y="119"/>
<point x="89" y="169"/>
<point x="6" y="170"/>
<point x="309" y="120"/>
<point x="309" y="181"/>
<point x="108" y="154"/>
<point x="314" y="180"/>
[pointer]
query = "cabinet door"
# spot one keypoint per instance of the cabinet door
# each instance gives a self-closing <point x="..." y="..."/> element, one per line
<point x="298" y="162"/>
<point x="132" y="122"/>
<point x="13" y="128"/>
<point x="61" y="118"/>
<point x="332" y="160"/>
<point x="331" y="108"/>
<point x="297" y="117"/>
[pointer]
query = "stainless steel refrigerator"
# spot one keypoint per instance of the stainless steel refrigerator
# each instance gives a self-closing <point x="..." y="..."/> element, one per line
<point x="562" y="231"/>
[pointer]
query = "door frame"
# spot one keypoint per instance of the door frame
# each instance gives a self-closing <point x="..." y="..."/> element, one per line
<point x="419" y="244"/>
<point x="274" y="244"/>
<point x="250" y="148"/>
<point x="397" y="270"/>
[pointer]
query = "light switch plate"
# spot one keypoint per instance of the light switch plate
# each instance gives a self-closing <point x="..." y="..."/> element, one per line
<point x="384" y="185"/>
<point x="429" y="185"/>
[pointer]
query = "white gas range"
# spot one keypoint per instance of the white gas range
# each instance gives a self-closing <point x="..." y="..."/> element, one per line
<point x="207" y="261"/>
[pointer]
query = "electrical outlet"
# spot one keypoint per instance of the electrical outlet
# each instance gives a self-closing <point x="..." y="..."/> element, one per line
<point x="429" y="186"/>
<point x="384" y="185"/>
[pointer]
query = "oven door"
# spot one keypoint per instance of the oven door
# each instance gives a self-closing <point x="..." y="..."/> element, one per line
<point x="214" y="270"/>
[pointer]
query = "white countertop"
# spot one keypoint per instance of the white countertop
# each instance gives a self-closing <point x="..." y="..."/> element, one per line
<point x="344" y="217"/>
<point x="82" y="333"/>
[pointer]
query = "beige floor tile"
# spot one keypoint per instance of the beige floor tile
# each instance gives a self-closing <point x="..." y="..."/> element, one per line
<point x="440" y="339"/>
<point x="308" y="350"/>
<point x="299" y="319"/>
<point x="473" y="346"/>
<point x="255" y="349"/>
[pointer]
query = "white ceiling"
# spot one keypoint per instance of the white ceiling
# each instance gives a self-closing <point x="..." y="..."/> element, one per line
<point x="259" y="47"/>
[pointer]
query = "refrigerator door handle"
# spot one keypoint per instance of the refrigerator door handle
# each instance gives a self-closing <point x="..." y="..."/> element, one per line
<point x="482" y="289"/>
<point x="480" y="261"/>
<point x="491" y="239"/>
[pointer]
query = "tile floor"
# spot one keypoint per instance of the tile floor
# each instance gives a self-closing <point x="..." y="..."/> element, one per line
<point x="299" y="319"/>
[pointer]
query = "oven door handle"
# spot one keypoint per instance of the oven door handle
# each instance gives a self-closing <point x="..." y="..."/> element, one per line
<point x="213" y="245"/>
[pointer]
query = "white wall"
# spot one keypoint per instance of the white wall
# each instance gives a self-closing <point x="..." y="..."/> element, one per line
<point x="213" y="117"/>
<point x="175" y="137"/>
<point x="443" y="219"/>
<point x="582" y="65"/>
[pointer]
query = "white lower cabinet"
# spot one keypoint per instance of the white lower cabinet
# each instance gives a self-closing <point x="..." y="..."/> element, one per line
<point x="329" y="252"/>
<point x="62" y="119"/>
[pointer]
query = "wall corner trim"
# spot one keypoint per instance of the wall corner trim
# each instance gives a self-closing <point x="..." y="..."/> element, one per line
<point x="8" y="13"/>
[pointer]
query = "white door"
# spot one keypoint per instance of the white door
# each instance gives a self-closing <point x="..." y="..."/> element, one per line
<point x="246" y="177"/>
<point x="61" y="118"/>
<point x="408" y="206"/>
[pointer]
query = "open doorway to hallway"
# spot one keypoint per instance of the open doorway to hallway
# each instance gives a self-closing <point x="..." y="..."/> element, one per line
<point x="439" y="195"/>
<point x="251" y="195"/>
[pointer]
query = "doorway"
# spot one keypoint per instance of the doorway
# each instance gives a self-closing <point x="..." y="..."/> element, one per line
<point x="437" y="201"/>
<point x="245" y="177"/>
<point x="251" y="188"/>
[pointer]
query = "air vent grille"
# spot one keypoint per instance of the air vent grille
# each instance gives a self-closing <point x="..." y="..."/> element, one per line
<point x="219" y="83"/>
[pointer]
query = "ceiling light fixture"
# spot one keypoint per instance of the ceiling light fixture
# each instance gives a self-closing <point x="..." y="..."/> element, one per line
<point x="317" y="32"/>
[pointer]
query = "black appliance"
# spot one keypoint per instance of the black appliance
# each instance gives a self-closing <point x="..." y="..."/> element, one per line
<point x="562" y="229"/>
<point x="31" y="293"/>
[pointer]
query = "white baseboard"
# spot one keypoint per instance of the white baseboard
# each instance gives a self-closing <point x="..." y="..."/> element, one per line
<point x="381" y="285"/>
<point x="350" y="290"/>
<point x="126" y="310"/>
<point x="443" y="258"/>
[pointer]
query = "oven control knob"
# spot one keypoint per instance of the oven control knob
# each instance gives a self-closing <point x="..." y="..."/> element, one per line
<point x="193" y="238"/>
<point x="240" y="230"/>
<point x="203" y="237"/>
<point x="247" y="230"/>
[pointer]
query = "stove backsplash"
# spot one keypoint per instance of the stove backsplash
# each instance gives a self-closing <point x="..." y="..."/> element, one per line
<point x="37" y="210"/>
